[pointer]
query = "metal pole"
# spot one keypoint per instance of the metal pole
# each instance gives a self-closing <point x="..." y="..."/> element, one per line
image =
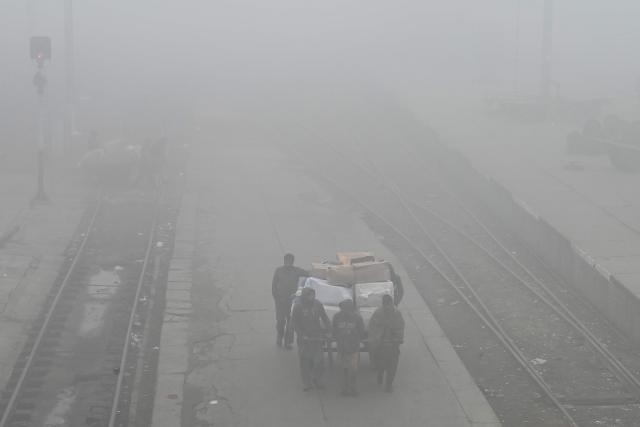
<point x="41" y="196"/>
<point x="69" y="115"/>
<point x="545" y="75"/>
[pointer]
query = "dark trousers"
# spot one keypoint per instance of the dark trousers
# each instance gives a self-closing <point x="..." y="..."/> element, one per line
<point x="283" y="320"/>
<point x="349" y="362"/>
<point x="386" y="360"/>
<point x="311" y="362"/>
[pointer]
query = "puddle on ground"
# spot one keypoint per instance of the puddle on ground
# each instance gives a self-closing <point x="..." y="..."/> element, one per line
<point x="102" y="286"/>
<point x="57" y="416"/>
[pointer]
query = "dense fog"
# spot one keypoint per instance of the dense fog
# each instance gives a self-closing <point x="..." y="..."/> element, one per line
<point x="131" y="57"/>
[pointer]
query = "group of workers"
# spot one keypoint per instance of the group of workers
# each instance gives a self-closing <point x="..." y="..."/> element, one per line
<point x="313" y="329"/>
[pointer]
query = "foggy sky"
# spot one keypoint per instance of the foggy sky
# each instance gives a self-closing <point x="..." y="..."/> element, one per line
<point x="130" y="53"/>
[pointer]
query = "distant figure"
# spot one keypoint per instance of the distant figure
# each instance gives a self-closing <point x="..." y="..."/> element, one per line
<point x="386" y="333"/>
<point x="283" y="288"/>
<point x="311" y="324"/>
<point x="348" y="331"/>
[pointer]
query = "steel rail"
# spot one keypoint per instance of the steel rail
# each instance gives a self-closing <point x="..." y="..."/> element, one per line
<point x="557" y="305"/>
<point x="622" y="372"/>
<point x="504" y="336"/>
<point x="478" y="307"/>
<point x="132" y="317"/>
<point x="36" y="345"/>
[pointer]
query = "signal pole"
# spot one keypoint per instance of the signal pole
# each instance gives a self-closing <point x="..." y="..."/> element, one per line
<point x="41" y="51"/>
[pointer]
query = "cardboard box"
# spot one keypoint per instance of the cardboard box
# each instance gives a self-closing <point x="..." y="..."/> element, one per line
<point x="367" y="272"/>
<point x="348" y="258"/>
<point x="341" y="275"/>
<point x="320" y="270"/>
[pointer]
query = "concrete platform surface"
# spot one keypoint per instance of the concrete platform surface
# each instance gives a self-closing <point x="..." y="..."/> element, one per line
<point x="219" y="365"/>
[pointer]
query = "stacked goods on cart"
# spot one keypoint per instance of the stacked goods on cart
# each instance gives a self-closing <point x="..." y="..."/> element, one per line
<point x="364" y="272"/>
<point x="350" y="258"/>
<point x="329" y="295"/>
<point x="355" y="275"/>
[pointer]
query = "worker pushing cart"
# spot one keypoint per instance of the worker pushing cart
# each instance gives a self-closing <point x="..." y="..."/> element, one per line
<point x="360" y="279"/>
<point x="312" y="325"/>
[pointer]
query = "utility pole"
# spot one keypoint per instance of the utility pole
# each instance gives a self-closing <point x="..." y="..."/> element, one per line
<point x="545" y="71"/>
<point x="40" y="52"/>
<point x="70" y="96"/>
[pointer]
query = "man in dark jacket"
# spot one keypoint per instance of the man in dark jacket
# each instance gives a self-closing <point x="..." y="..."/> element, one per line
<point x="348" y="331"/>
<point x="283" y="288"/>
<point x="311" y="324"/>
<point x="386" y="333"/>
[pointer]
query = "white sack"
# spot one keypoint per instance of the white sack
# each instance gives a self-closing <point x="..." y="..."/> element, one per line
<point x="370" y="294"/>
<point x="328" y="294"/>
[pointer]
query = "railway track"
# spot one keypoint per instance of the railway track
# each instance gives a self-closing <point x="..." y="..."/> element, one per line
<point x="579" y="376"/>
<point x="78" y="366"/>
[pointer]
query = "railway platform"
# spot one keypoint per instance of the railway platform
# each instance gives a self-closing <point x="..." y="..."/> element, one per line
<point x="591" y="211"/>
<point x="218" y="362"/>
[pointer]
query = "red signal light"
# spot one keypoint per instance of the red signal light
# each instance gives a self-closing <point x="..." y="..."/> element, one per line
<point x="40" y="48"/>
